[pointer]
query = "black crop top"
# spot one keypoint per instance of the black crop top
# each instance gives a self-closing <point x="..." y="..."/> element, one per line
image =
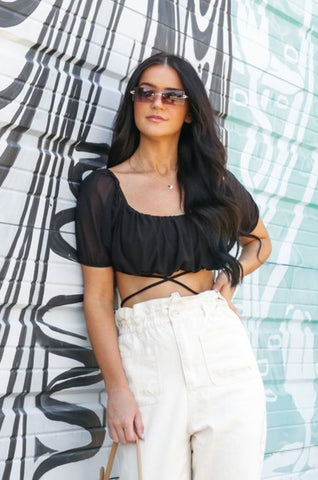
<point x="111" y="233"/>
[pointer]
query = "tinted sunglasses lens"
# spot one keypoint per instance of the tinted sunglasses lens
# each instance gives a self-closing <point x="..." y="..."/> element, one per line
<point x="145" y="95"/>
<point x="169" y="97"/>
<point x="173" y="97"/>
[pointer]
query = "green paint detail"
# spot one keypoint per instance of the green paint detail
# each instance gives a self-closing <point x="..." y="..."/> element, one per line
<point x="272" y="125"/>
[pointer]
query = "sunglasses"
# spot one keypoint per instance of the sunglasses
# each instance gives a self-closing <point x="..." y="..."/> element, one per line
<point x="171" y="96"/>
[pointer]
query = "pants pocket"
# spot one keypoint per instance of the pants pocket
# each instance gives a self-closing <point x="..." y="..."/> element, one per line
<point x="227" y="352"/>
<point x="140" y="363"/>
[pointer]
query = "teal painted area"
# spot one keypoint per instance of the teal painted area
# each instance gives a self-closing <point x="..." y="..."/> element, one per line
<point x="272" y="125"/>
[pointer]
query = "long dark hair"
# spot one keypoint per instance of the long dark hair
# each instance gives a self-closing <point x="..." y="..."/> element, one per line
<point x="201" y="163"/>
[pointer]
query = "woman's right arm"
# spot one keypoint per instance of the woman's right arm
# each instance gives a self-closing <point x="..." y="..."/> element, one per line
<point x="123" y="416"/>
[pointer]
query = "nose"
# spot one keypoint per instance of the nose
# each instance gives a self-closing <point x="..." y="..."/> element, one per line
<point x="157" y="100"/>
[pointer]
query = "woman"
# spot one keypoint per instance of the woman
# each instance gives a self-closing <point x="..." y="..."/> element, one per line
<point x="158" y="222"/>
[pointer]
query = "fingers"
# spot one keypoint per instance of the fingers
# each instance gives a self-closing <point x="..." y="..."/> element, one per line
<point x="122" y="411"/>
<point x="225" y="289"/>
<point x="122" y="433"/>
<point x="221" y="281"/>
<point x="139" y="428"/>
<point x="125" y="431"/>
<point x="129" y="431"/>
<point x="113" y="434"/>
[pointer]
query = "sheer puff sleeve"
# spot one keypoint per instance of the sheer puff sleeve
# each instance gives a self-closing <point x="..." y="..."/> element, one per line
<point x="248" y="209"/>
<point x="93" y="220"/>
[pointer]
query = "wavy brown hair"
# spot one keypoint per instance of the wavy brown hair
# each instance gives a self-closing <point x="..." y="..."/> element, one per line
<point x="207" y="198"/>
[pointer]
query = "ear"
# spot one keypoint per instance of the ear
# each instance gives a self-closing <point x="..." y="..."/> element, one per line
<point x="188" y="118"/>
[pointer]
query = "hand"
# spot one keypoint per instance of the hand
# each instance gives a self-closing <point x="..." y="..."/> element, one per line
<point x="223" y="285"/>
<point x="123" y="417"/>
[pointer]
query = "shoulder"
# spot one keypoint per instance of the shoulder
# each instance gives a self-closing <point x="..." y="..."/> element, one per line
<point x="123" y="167"/>
<point x="230" y="180"/>
<point x="101" y="176"/>
<point x="248" y="208"/>
<point x="232" y="185"/>
<point x="237" y="191"/>
<point x="101" y="182"/>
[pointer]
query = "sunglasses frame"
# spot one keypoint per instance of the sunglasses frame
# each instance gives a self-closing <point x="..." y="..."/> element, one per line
<point x="138" y="97"/>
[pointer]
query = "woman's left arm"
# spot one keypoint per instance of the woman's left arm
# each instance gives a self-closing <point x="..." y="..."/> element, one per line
<point x="253" y="255"/>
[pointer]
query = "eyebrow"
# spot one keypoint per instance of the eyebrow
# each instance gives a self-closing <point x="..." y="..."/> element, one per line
<point x="155" y="86"/>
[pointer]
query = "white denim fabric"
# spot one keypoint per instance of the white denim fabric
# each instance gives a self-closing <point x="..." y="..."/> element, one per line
<point x="190" y="365"/>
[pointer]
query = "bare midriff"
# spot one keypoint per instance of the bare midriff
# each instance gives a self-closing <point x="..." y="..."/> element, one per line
<point x="128" y="285"/>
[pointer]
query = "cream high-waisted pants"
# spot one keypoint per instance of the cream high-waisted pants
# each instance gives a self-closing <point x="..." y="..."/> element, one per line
<point x="189" y="363"/>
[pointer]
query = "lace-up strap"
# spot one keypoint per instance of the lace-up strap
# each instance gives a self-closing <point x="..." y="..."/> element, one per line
<point x="163" y="279"/>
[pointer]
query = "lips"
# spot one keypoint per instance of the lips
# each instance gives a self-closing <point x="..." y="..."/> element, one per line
<point x="155" y="118"/>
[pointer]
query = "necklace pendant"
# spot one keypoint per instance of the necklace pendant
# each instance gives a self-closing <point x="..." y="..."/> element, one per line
<point x="170" y="186"/>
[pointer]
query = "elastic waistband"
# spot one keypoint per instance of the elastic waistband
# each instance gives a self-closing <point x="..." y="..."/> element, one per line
<point x="155" y="311"/>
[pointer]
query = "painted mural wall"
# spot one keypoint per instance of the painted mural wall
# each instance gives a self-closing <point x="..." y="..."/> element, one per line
<point x="63" y="69"/>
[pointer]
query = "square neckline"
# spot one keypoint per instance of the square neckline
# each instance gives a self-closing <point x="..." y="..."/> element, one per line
<point x="132" y="209"/>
